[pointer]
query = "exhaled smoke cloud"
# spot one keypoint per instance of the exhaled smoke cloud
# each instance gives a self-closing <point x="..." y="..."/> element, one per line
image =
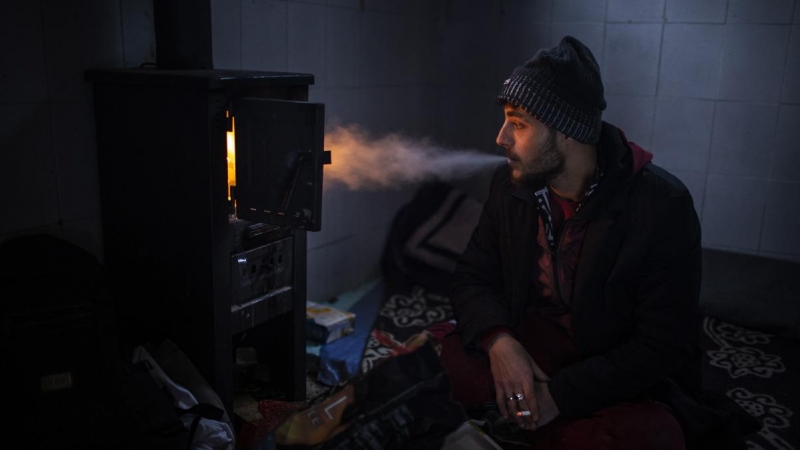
<point x="362" y="162"/>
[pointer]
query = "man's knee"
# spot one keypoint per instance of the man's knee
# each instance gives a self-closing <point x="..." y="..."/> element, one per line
<point x="621" y="427"/>
<point x="470" y="375"/>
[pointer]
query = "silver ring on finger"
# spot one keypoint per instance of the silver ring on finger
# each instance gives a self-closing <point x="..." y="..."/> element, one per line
<point x="516" y="397"/>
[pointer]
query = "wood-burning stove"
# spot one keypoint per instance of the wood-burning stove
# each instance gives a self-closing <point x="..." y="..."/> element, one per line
<point x="193" y="256"/>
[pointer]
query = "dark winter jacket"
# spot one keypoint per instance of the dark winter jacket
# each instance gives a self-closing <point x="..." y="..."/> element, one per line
<point x="635" y="298"/>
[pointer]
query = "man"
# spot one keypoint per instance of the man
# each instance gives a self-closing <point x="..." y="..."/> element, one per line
<point x="576" y="299"/>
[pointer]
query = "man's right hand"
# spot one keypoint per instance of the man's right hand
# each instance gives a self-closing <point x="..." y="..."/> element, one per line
<point x="514" y="372"/>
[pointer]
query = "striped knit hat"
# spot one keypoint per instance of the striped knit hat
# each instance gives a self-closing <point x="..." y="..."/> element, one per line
<point x="561" y="87"/>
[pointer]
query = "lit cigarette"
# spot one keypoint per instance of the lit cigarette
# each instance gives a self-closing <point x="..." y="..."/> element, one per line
<point x="523" y="413"/>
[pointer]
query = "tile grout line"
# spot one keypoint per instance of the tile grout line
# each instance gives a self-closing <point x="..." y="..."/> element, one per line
<point x="770" y="175"/>
<point x="658" y="76"/>
<point x="287" y="33"/>
<point x="708" y="161"/>
<point x="318" y="88"/>
<point x="122" y="34"/>
<point x="714" y="114"/>
<point x="51" y="124"/>
<point x="605" y="34"/>
<point x="44" y="49"/>
<point x="241" y="36"/>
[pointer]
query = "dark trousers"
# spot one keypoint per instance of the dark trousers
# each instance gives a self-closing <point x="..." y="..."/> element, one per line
<point x="622" y="426"/>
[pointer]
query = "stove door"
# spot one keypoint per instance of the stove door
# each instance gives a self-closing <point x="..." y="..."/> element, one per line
<point x="279" y="159"/>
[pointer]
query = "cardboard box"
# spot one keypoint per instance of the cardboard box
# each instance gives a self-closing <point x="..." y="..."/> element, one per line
<point x="325" y="324"/>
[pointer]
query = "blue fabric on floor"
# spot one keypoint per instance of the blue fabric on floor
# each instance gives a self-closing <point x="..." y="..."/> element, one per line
<point x="340" y="360"/>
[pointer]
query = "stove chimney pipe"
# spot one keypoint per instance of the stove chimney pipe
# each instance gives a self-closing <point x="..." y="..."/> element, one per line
<point x="183" y="34"/>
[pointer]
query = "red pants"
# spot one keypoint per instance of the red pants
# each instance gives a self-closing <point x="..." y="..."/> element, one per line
<point x="620" y="427"/>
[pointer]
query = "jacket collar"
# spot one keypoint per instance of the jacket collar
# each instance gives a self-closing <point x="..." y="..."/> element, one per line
<point x="615" y="160"/>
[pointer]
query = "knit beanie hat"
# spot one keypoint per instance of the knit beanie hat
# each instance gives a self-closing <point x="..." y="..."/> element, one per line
<point x="561" y="87"/>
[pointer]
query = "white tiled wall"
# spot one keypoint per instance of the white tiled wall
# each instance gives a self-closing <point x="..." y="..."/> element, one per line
<point x="77" y="38"/>
<point x="760" y="11"/>
<point x="634" y="47"/>
<point x="49" y="168"/>
<point x="138" y="29"/>
<point x="76" y="159"/>
<point x="689" y="149"/>
<point x="344" y="47"/>
<point x="743" y="139"/>
<point x="710" y="86"/>
<point x="698" y="46"/>
<point x="22" y="46"/>
<point x="633" y="114"/>
<point x="227" y="21"/>
<point x="791" y="82"/>
<point x="694" y="11"/>
<point x="579" y="11"/>
<point x="305" y="42"/>
<point x="753" y="62"/>
<point x="781" y="237"/>
<point x="786" y="161"/>
<point x="635" y="11"/>
<point x="732" y="211"/>
<point x="29" y="198"/>
<point x="263" y="33"/>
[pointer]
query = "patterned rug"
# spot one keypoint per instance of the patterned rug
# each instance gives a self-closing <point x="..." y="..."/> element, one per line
<point x="400" y="322"/>
<point x="760" y="372"/>
<point x="757" y="370"/>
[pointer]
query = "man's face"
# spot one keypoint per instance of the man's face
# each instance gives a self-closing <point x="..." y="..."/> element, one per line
<point x="531" y="148"/>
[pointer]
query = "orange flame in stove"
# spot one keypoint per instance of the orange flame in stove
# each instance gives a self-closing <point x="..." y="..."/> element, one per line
<point x="231" y="135"/>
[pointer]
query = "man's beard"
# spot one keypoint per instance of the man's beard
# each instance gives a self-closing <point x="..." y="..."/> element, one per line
<point x="545" y="167"/>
